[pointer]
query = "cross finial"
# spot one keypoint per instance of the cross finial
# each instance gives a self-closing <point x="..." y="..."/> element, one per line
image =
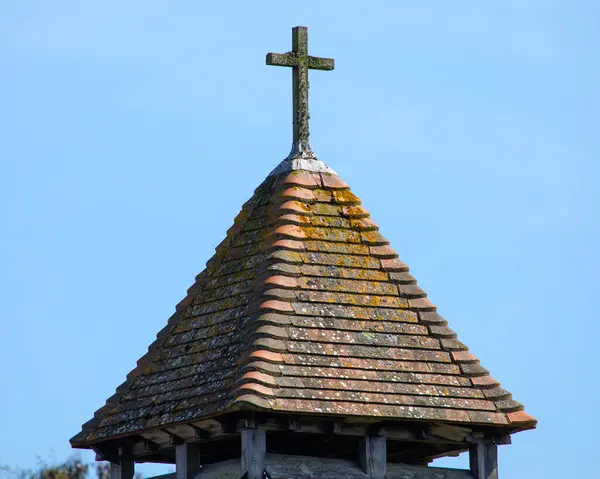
<point x="301" y="62"/>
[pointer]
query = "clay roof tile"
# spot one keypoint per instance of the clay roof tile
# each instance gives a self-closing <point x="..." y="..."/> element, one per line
<point x="306" y="308"/>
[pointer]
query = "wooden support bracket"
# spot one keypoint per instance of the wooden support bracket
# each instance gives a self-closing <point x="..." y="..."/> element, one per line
<point x="199" y="433"/>
<point x="105" y="454"/>
<point x="252" y="421"/>
<point x="228" y="425"/>
<point x="150" y="446"/>
<point x="293" y="425"/>
<point x="174" y="440"/>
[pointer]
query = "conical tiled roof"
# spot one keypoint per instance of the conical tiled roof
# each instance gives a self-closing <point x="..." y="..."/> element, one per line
<point x="305" y="308"/>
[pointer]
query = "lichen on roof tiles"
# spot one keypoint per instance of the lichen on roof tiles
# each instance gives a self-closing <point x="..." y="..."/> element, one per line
<point x="305" y="308"/>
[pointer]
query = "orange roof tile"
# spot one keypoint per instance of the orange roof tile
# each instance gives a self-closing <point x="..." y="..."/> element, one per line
<point x="305" y="308"/>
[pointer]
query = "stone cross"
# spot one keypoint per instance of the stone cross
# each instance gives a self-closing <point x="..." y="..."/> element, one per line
<point x="301" y="62"/>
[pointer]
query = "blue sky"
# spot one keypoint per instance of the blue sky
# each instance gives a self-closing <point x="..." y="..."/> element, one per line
<point x="132" y="132"/>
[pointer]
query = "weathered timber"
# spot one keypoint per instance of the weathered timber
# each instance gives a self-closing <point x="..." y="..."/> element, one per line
<point x="106" y="454"/>
<point x="149" y="450"/>
<point x="123" y="470"/>
<point x="175" y="440"/>
<point x="156" y="435"/>
<point x="146" y="448"/>
<point x="200" y="433"/>
<point x="421" y="454"/>
<point x="187" y="460"/>
<point x="228" y="425"/>
<point x="504" y="439"/>
<point x="373" y="456"/>
<point x="483" y="459"/>
<point x="435" y="434"/>
<point x="254" y="447"/>
<point x="452" y="433"/>
<point x="281" y="466"/>
<point x="184" y="431"/>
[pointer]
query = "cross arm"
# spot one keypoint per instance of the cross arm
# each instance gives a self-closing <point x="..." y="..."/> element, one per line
<point x="318" y="63"/>
<point x="291" y="60"/>
<point x="282" y="59"/>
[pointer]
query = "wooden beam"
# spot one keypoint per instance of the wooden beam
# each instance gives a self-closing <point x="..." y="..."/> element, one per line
<point x="149" y="446"/>
<point x="421" y="454"/>
<point x="144" y="448"/>
<point x="123" y="470"/>
<point x="483" y="459"/>
<point x="105" y="454"/>
<point x="437" y="433"/>
<point x="184" y="431"/>
<point x="200" y="433"/>
<point x="174" y="439"/>
<point x="295" y="425"/>
<point x="228" y="425"/>
<point x="254" y="448"/>
<point x="292" y="424"/>
<point x="373" y="456"/>
<point x="251" y="422"/>
<point x="156" y="435"/>
<point x="452" y="433"/>
<point x="187" y="460"/>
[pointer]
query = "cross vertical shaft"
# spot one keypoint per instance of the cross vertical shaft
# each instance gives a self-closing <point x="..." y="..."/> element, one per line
<point x="300" y="114"/>
<point x="300" y="62"/>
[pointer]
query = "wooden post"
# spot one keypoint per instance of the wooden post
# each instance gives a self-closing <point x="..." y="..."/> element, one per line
<point x="123" y="470"/>
<point x="373" y="456"/>
<point x="484" y="461"/>
<point x="187" y="460"/>
<point x="254" y="448"/>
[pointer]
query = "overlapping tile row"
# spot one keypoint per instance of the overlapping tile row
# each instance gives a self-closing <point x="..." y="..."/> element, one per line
<point x="190" y="369"/>
<point x="306" y="308"/>
<point x="342" y="306"/>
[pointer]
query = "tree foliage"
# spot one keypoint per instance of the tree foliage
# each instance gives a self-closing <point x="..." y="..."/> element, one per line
<point x="72" y="468"/>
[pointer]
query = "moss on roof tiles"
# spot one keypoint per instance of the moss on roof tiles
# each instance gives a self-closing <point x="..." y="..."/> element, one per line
<point x="351" y="335"/>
